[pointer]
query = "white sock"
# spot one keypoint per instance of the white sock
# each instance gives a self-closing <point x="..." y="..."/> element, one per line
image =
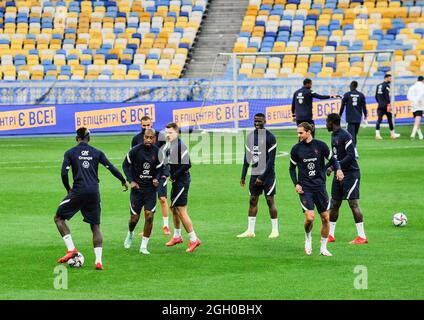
<point x="251" y="225"/>
<point x="274" y="223"/>
<point x="192" y="236"/>
<point x="144" y="242"/>
<point x="98" y="253"/>
<point x="392" y="132"/>
<point x="332" y="228"/>
<point x="166" y="222"/>
<point x="360" y="229"/>
<point x="324" y="243"/>
<point x="414" y="132"/>
<point x="130" y="234"/>
<point x="308" y="237"/>
<point x="177" y="233"/>
<point x="420" y="134"/>
<point x="68" y="242"/>
<point x="377" y="133"/>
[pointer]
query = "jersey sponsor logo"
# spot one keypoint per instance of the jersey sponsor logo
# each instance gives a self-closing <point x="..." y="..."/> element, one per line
<point x="86" y="164"/>
<point x="310" y="160"/>
<point x="300" y="97"/>
<point x="146" y="165"/>
<point x="311" y="166"/>
<point x="85" y="158"/>
<point x="85" y="152"/>
<point x="255" y="154"/>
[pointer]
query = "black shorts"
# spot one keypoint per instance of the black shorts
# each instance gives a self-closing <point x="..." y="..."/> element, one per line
<point x="418" y="113"/>
<point x="179" y="193"/>
<point x="383" y="112"/>
<point x="268" y="188"/>
<point x="163" y="188"/>
<point x="348" y="189"/>
<point x="143" y="197"/>
<point x="88" y="204"/>
<point x="318" y="198"/>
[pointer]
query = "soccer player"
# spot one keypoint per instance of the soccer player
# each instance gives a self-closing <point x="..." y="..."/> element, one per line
<point x="355" y="104"/>
<point x="343" y="149"/>
<point x="84" y="194"/>
<point x="302" y="104"/>
<point x="308" y="156"/>
<point x="146" y="123"/>
<point x="261" y="148"/>
<point x="143" y="168"/>
<point x="416" y="98"/>
<point x="382" y="95"/>
<point x="179" y="161"/>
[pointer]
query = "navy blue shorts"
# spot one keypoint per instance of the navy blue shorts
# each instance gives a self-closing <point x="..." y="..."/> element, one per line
<point x="311" y="199"/>
<point x="143" y="197"/>
<point x="348" y="189"/>
<point x="88" y="204"/>
<point x="268" y="188"/>
<point x="179" y="193"/>
<point x="162" y="188"/>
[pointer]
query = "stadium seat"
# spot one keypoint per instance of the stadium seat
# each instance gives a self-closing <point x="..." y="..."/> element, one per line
<point x="104" y="33"/>
<point x="329" y="25"/>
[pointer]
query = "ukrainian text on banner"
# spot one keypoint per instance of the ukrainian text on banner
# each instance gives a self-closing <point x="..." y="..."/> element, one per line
<point x="282" y="115"/>
<point x="212" y="114"/>
<point x="114" y="117"/>
<point x="118" y="117"/>
<point x="27" y="118"/>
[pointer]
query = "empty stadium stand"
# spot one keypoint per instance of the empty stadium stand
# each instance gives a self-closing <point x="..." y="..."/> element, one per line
<point x="331" y="25"/>
<point x="97" y="40"/>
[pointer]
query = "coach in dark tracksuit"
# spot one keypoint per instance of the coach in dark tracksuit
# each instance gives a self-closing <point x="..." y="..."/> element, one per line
<point x="382" y="96"/>
<point x="355" y="104"/>
<point x="302" y="104"/>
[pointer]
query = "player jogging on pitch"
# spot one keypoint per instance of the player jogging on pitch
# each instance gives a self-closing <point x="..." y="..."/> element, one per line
<point x="143" y="168"/>
<point x="146" y="123"/>
<point x="179" y="162"/>
<point x="344" y="150"/>
<point x="308" y="156"/>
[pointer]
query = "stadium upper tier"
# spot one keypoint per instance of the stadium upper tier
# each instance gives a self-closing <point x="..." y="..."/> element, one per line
<point x="97" y="39"/>
<point x="331" y="25"/>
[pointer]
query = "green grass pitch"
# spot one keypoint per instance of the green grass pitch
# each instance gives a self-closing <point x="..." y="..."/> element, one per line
<point x="223" y="267"/>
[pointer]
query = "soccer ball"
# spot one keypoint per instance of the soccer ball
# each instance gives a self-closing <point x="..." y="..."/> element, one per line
<point x="400" y="219"/>
<point x="77" y="261"/>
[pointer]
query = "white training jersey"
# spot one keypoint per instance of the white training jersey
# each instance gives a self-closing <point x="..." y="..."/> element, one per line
<point x="416" y="96"/>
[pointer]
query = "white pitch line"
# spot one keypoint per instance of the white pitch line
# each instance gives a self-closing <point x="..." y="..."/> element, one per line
<point x="12" y="145"/>
<point x="28" y="167"/>
<point x="392" y="148"/>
